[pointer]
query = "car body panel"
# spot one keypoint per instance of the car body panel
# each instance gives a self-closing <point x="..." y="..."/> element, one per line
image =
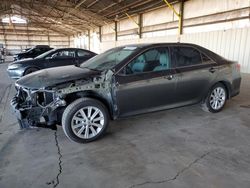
<point x="132" y="92"/>
<point x="193" y="83"/>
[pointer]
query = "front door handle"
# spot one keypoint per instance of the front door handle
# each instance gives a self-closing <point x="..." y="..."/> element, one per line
<point x="212" y="70"/>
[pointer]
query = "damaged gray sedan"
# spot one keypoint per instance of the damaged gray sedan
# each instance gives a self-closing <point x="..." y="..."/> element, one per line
<point x="121" y="82"/>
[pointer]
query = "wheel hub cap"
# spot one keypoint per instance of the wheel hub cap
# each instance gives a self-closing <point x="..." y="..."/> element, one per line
<point x="87" y="122"/>
<point x="217" y="98"/>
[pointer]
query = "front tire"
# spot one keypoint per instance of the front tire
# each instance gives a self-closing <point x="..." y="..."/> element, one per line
<point x="216" y="99"/>
<point x="85" y="120"/>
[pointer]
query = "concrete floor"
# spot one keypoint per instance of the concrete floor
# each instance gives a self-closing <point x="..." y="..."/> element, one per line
<point x="183" y="147"/>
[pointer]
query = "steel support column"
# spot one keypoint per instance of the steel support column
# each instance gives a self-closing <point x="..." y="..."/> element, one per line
<point x="140" y="25"/>
<point x="177" y="14"/>
<point x="100" y="33"/>
<point x="48" y="39"/>
<point x="116" y="34"/>
<point x="89" y="39"/>
<point x="181" y="13"/>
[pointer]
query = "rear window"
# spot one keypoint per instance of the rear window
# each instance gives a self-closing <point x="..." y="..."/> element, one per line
<point x="82" y="53"/>
<point x="186" y="56"/>
<point x="206" y="59"/>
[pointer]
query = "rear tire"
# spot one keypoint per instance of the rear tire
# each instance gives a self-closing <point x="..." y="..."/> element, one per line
<point x="85" y="120"/>
<point x="30" y="70"/>
<point x="23" y="124"/>
<point x="216" y="99"/>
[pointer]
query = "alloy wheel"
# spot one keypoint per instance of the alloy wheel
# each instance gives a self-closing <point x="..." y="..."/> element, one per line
<point x="217" y="98"/>
<point x="87" y="122"/>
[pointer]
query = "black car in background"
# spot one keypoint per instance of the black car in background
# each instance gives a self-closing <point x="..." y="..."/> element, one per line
<point x="125" y="81"/>
<point x="52" y="58"/>
<point x="32" y="52"/>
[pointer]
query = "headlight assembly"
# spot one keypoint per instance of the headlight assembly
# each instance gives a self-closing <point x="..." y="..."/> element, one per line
<point x="14" y="66"/>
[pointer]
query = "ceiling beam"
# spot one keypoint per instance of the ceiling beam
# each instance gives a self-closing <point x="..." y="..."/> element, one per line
<point x="93" y="3"/>
<point x="34" y="20"/>
<point x="126" y="8"/>
<point x="63" y="24"/>
<point x="76" y="13"/>
<point x="87" y="23"/>
<point x="84" y="12"/>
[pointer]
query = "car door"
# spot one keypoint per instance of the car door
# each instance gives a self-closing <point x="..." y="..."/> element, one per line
<point x="83" y="55"/>
<point x="146" y="83"/>
<point x="61" y="58"/>
<point x="194" y="72"/>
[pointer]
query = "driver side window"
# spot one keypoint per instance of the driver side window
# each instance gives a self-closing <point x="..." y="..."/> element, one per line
<point x="157" y="59"/>
<point x="64" y="54"/>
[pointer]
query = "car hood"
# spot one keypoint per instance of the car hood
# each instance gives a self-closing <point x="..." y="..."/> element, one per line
<point x="53" y="76"/>
<point x="23" y="61"/>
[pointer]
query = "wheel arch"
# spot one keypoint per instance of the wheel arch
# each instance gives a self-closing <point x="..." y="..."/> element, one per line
<point x="227" y="85"/>
<point x="30" y="67"/>
<point x="91" y="94"/>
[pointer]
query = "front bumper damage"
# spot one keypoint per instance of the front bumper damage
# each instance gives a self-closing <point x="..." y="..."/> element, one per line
<point x="36" y="108"/>
<point x="44" y="107"/>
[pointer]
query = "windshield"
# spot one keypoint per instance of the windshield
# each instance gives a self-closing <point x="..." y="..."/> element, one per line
<point x="29" y="49"/>
<point x="109" y="59"/>
<point x="45" y="54"/>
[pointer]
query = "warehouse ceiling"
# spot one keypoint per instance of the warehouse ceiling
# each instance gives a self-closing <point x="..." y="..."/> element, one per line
<point x="70" y="17"/>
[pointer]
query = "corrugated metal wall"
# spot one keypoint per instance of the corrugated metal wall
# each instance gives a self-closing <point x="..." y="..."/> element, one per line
<point x="233" y="44"/>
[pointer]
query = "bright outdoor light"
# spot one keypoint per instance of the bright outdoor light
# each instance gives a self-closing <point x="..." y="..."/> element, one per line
<point x="14" y="19"/>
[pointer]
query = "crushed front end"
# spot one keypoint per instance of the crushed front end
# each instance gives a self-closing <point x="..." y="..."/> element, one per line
<point x="36" y="107"/>
<point x="43" y="96"/>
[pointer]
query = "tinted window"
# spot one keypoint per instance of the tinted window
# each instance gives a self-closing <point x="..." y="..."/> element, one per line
<point x="82" y="53"/>
<point x="152" y="60"/>
<point x="37" y="50"/>
<point x="186" y="56"/>
<point x="46" y="54"/>
<point x="45" y="49"/>
<point x="64" y="54"/>
<point x="206" y="59"/>
<point x="34" y="52"/>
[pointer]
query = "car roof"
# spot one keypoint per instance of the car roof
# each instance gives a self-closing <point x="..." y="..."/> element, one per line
<point x="41" y="46"/>
<point x="143" y="45"/>
<point x="208" y="52"/>
<point x="71" y="49"/>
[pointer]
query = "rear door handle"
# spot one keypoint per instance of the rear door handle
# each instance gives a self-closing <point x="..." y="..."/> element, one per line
<point x="212" y="70"/>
